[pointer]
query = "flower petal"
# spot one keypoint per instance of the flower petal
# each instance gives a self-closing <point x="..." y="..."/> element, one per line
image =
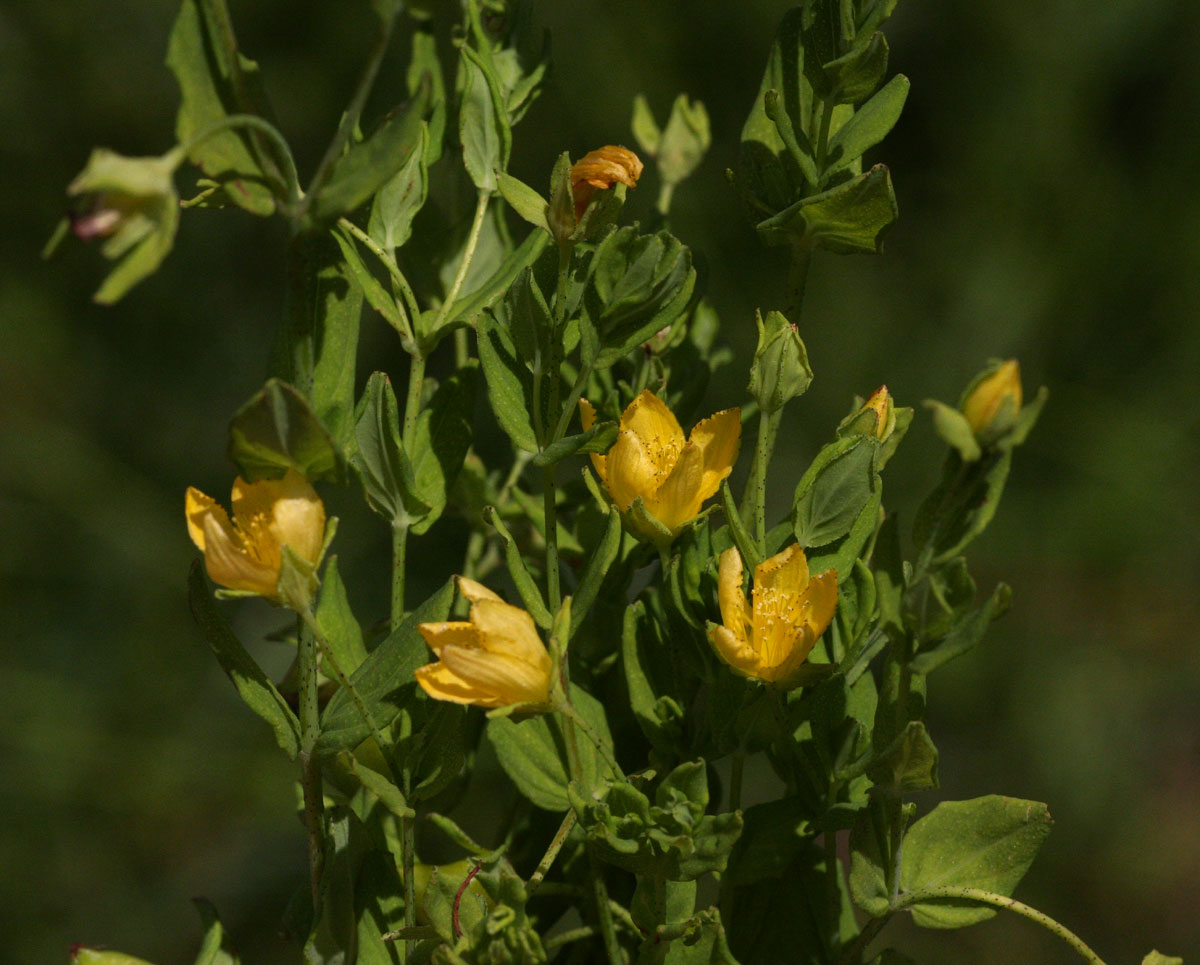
<point x="197" y="506"/>
<point x="657" y="428"/>
<point x="456" y="633"/>
<point x="786" y="572"/>
<point x="730" y="595"/>
<point x="718" y="438"/>
<point x="679" y="497"/>
<point x="631" y="471"/>
<point x="734" y="651"/>
<point x="230" y="565"/>
<point x="510" y="631"/>
<point x="474" y="592"/>
<point x="502" y="677"/>
<point x="820" y="602"/>
<point x="587" y="418"/>
<point x="442" y="683"/>
<point x="297" y="516"/>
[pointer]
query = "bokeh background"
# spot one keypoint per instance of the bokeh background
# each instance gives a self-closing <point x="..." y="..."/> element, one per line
<point x="1046" y="169"/>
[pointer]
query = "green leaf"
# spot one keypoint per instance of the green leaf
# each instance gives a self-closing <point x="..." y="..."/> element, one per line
<point x="966" y="635"/>
<point x="253" y="686"/>
<point x="523" y="200"/>
<point x="644" y="127"/>
<point x="599" y="438"/>
<point x="533" y="753"/>
<point x="215" y="80"/>
<point x="443" y="436"/>
<point x="401" y="197"/>
<point x="952" y="426"/>
<point x="425" y="63"/>
<point x="216" y="949"/>
<point x="531" y="596"/>
<point x="834" y="490"/>
<point x="603" y="556"/>
<point x="869" y="125"/>
<point x="382" y="463"/>
<point x="379" y="298"/>
<point x="337" y="621"/>
<point x="467" y="308"/>
<point x="379" y="902"/>
<point x="639" y="285"/>
<point x="868" y="849"/>
<point x="390" y="796"/>
<point x="317" y="347"/>
<point x="444" y="741"/>
<point x="856" y="74"/>
<point x="371" y="163"/>
<point x="646" y="658"/>
<point x="986" y="843"/>
<point x="848" y="219"/>
<point x="483" y="125"/>
<point x="962" y="505"/>
<point x="510" y="384"/>
<point x="746" y="545"/>
<point x="385" y="680"/>
<point x="1158" y="958"/>
<point x="909" y="763"/>
<point x="845" y="551"/>
<point x="276" y="431"/>
<point x="772" y="835"/>
<point x="794" y="140"/>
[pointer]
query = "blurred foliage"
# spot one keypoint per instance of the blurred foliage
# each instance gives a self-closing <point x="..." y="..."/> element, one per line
<point x="1047" y="213"/>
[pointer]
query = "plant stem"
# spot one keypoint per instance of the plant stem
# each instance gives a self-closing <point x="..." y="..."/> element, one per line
<point x="797" y="282"/>
<point x="852" y="953"/>
<point x="481" y="206"/>
<point x="256" y="123"/>
<point x="822" y="145"/>
<point x="553" y="363"/>
<point x="762" y="459"/>
<point x="412" y="410"/>
<point x="574" y="935"/>
<point x="560" y="838"/>
<point x="1006" y="903"/>
<point x="310" y="775"/>
<point x="604" y="913"/>
<point x="354" y="111"/>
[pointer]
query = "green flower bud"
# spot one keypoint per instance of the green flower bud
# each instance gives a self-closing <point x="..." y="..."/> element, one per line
<point x="992" y="401"/>
<point x="780" y="370"/>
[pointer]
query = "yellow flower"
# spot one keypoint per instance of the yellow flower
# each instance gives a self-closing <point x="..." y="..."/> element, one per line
<point x="771" y="638"/>
<point x="651" y="461"/>
<point x="245" y="554"/>
<point x="602" y="169"/>
<point x="992" y="405"/>
<point x="496" y="659"/>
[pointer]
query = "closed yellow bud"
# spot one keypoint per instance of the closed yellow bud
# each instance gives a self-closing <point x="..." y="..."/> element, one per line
<point x="771" y="637"/>
<point x="601" y="169"/>
<point x="993" y="403"/>
<point x="494" y="659"/>
<point x="246" y="553"/>
<point x="653" y="462"/>
<point x="880" y="405"/>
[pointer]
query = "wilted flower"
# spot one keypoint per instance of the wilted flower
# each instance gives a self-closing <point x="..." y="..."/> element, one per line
<point x="131" y="203"/>
<point x="602" y="169"/>
<point x="771" y="637"/>
<point x="652" y="462"/>
<point x="495" y="659"/>
<point x="246" y="554"/>
<point x="992" y="404"/>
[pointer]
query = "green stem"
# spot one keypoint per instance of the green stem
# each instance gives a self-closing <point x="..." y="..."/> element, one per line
<point x="357" y="102"/>
<point x="412" y="410"/>
<point x="797" y="283"/>
<point x="256" y="123"/>
<point x="553" y="363"/>
<point x="407" y="858"/>
<point x="564" y="938"/>
<point x="664" y="197"/>
<point x="310" y="775"/>
<point x="481" y="206"/>
<point x="852" y="953"/>
<point x="399" y="565"/>
<point x="822" y="145"/>
<point x="833" y="868"/>
<point x="560" y="839"/>
<point x="1003" y="902"/>
<point x="762" y="459"/>
<point x="608" y="931"/>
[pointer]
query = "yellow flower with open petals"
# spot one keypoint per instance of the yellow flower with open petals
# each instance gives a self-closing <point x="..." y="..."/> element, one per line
<point x="601" y="169"/>
<point x="495" y="659"/>
<point x="771" y="638"/>
<point x="245" y="554"/>
<point x="651" y="460"/>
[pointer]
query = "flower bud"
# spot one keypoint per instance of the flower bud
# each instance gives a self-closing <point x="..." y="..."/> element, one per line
<point x="992" y="402"/>
<point x="876" y="417"/>
<point x="780" y="370"/>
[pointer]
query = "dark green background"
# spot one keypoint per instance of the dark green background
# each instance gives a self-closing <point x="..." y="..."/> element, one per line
<point x="1045" y="168"/>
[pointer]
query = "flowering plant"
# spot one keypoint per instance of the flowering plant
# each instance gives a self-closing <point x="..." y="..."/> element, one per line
<point x="597" y="665"/>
